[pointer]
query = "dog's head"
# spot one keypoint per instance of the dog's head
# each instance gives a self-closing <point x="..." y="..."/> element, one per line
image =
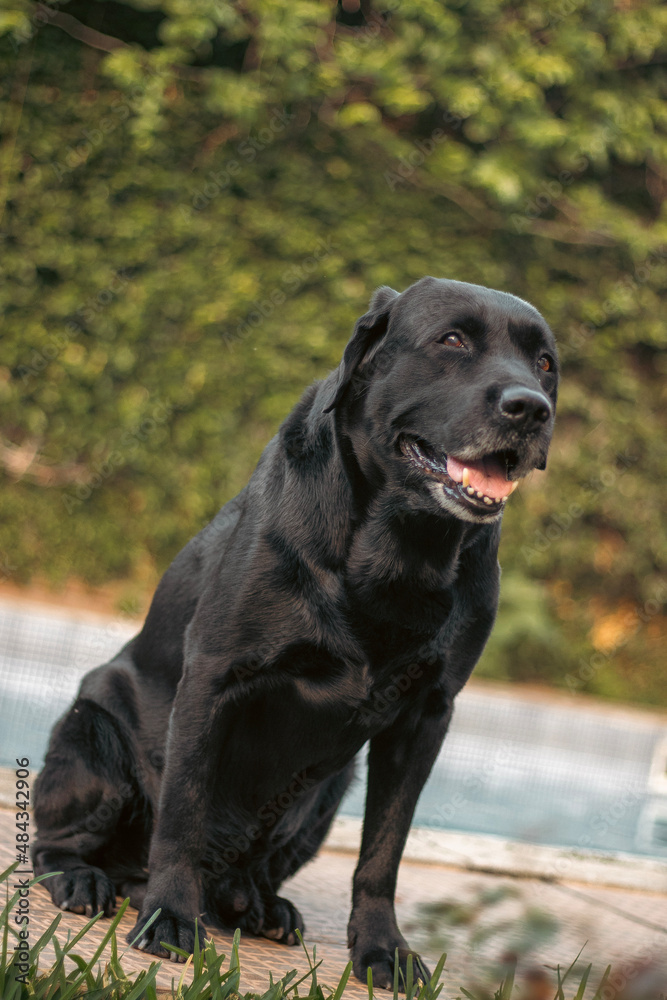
<point x="450" y="390"/>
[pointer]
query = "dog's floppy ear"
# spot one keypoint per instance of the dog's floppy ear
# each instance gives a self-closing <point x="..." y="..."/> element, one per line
<point x="367" y="332"/>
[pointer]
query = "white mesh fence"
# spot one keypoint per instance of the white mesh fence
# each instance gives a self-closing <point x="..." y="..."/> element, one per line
<point x="530" y="769"/>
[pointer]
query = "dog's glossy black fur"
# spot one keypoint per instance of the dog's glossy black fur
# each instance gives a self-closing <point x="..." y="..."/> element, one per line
<point x="343" y="596"/>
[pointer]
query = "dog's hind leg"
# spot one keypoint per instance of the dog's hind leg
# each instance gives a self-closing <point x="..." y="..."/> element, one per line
<point x="90" y="812"/>
<point x="313" y="828"/>
<point x="246" y="895"/>
<point x="281" y="917"/>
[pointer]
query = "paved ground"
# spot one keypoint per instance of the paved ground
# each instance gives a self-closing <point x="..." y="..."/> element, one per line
<point x="623" y="927"/>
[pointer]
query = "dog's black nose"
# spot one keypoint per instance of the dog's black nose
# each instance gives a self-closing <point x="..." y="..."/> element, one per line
<point x="524" y="406"/>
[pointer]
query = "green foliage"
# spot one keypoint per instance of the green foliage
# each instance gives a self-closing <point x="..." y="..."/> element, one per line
<point x="198" y="199"/>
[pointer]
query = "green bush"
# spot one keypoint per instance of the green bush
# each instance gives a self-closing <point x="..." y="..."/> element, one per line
<point x="198" y="202"/>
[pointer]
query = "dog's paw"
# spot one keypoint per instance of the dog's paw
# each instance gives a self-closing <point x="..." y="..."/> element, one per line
<point x="169" y="927"/>
<point x="281" y="921"/>
<point x="236" y="902"/>
<point x="84" y="890"/>
<point x="381" y="963"/>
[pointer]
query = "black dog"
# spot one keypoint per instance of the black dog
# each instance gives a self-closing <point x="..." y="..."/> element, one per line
<point x="344" y="595"/>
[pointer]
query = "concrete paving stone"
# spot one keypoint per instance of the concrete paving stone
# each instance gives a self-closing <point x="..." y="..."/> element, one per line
<point x="616" y="926"/>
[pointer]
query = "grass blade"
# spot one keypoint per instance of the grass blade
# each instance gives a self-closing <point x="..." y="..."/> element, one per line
<point x="145" y="981"/>
<point x="101" y="946"/>
<point x="579" y="995"/>
<point x="338" y="992"/>
<point x="599" y="993"/>
<point x="437" y="972"/>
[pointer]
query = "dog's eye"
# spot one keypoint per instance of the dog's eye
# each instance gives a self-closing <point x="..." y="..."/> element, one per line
<point x="452" y="339"/>
<point x="545" y="363"/>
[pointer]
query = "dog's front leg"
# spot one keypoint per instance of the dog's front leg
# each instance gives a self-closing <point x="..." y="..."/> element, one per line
<point x="399" y="763"/>
<point x="178" y="843"/>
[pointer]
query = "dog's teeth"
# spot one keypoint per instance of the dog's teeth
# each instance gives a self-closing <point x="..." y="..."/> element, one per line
<point x="466" y="477"/>
<point x="480" y="495"/>
<point x="514" y="486"/>
<point x="488" y="500"/>
<point x="470" y="490"/>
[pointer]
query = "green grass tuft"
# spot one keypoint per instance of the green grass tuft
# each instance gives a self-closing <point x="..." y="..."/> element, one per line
<point x="71" y="976"/>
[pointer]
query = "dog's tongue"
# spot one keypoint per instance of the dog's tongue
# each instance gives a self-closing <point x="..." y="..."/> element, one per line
<point x="486" y="475"/>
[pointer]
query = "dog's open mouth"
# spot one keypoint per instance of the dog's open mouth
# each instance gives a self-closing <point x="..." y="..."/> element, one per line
<point x="481" y="484"/>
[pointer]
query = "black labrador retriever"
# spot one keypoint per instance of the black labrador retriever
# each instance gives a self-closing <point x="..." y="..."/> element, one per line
<point x="343" y="596"/>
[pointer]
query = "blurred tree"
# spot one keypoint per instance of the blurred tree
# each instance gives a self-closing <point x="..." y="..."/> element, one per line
<point x="199" y="197"/>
